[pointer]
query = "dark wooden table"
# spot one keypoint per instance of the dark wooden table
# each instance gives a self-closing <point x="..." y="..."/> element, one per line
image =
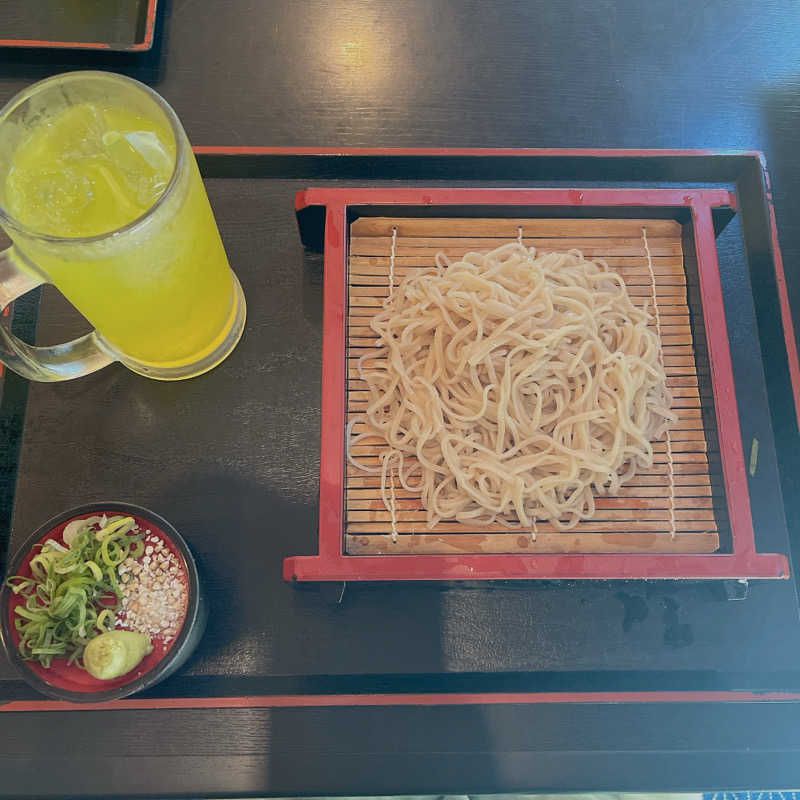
<point x="232" y="458"/>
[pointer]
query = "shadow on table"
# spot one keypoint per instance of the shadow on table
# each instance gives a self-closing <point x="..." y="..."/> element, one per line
<point x="267" y="637"/>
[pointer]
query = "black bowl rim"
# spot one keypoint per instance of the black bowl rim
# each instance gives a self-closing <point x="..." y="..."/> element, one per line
<point x="152" y="676"/>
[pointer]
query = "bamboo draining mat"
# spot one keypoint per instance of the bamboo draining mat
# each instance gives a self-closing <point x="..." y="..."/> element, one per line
<point x="640" y="518"/>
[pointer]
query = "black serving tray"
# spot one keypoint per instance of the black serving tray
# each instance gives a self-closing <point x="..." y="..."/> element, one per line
<point x="232" y="459"/>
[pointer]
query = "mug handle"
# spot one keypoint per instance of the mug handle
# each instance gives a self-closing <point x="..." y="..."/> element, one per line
<point x="61" y="362"/>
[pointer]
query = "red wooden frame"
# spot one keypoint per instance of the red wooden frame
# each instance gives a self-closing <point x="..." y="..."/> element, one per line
<point x="145" y="44"/>
<point x="332" y="564"/>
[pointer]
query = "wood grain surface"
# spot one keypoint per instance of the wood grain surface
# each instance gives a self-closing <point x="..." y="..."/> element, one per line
<point x="236" y="450"/>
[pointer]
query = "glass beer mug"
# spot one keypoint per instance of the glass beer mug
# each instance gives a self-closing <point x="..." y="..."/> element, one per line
<point x="101" y="196"/>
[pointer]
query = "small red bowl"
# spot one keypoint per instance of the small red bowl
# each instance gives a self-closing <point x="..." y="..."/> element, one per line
<point x="70" y="682"/>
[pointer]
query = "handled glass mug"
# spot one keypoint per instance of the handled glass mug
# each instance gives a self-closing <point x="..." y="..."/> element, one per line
<point x="101" y="196"/>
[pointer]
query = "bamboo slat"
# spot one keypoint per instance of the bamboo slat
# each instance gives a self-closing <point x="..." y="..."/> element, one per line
<point x="628" y="496"/>
<point x="455" y="248"/>
<point x="641" y="516"/>
<point x="687" y="485"/>
<point x="382" y="544"/>
<point x="508" y="228"/>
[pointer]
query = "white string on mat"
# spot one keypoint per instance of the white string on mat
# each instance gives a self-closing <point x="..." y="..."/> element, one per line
<point x="657" y="313"/>
<point x="392" y="503"/>
<point x="391" y="260"/>
<point x="533" y="521"/>
<point x="394" y="506"/>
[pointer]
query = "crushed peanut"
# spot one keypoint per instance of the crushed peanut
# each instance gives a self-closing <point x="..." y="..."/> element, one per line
<point x="154" y="597"/>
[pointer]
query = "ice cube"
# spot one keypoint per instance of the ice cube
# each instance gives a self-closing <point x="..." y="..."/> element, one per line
<point x="152" y="150"/>
<point x="142" y="162"/>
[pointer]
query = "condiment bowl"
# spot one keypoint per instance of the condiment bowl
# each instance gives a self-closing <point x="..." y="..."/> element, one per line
<point x="73" y="683"/>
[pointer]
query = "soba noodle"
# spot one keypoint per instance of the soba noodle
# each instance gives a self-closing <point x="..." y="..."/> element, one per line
<point x="512" y="387"/>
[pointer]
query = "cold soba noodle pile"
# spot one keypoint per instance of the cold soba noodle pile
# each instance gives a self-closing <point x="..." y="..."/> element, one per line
<point x="510" y="387"/>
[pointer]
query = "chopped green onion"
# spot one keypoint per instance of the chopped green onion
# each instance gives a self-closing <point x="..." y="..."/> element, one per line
<point x="73" y="592"/>
<point x="100" y="622"/>
<point x="24" y="583"/>
<point x="115" y="525"/>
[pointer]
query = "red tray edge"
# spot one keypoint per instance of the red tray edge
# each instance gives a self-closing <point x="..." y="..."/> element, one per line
<point x="297" y="701"/>
<point x="405" y="699"/>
